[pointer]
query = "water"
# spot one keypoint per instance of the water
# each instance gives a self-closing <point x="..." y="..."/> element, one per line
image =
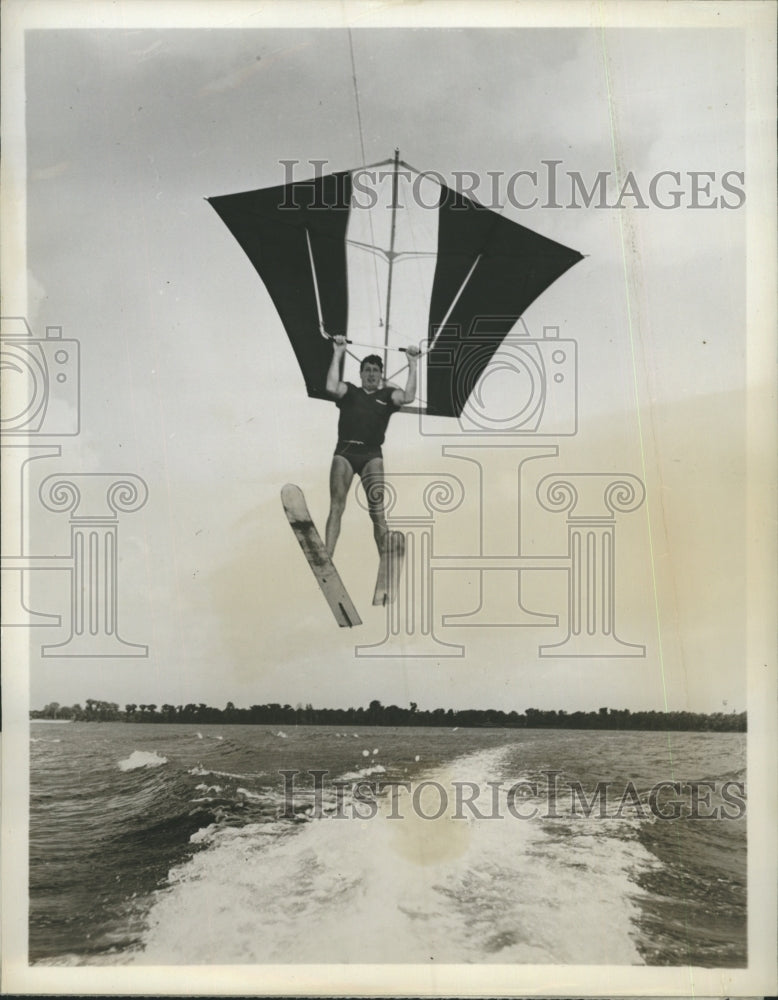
<point x="167" y="844"/>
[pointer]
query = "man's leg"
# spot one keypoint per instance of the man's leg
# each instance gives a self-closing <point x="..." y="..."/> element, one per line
<point x="341" y="475"/>
<point x="373" y="484"/>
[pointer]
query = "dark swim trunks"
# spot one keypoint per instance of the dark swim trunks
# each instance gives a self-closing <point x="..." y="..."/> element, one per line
<point x="357" y="454"/>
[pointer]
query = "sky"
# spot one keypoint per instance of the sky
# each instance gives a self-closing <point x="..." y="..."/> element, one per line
<point x="187" y="378"/>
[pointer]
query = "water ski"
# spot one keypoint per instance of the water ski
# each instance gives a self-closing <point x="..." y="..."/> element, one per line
<point x="389" y="569"/>
<point x="313" y="547"/>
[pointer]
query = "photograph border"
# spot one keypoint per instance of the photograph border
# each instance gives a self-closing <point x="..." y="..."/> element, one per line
<point x="757" y="19"/>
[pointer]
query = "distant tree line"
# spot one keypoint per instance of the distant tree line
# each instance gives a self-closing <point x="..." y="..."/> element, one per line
<point x="377" y="714"/>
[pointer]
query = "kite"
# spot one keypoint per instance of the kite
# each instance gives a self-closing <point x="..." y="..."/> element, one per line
<point x="388" y="256"/>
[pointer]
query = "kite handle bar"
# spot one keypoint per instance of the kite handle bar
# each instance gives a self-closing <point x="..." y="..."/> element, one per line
<point x="355" y="343"/>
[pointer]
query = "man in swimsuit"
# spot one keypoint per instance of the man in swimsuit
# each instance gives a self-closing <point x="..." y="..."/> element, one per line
<point x="364" y="415"/>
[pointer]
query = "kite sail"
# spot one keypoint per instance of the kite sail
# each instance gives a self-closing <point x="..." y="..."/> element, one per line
<point x="388" y="258"/>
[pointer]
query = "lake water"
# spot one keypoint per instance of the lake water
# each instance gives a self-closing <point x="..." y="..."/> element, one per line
<point x="178" y="844"/>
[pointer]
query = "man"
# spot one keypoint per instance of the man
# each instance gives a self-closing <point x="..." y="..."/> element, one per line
<point x="364" y="415"/>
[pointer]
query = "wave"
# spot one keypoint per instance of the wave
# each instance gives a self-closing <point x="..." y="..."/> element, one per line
<point x="142" y="758"/>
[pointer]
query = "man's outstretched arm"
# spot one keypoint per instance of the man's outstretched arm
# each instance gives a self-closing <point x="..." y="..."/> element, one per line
<point x="404" y="397"/>
<point x="334" y="386"/>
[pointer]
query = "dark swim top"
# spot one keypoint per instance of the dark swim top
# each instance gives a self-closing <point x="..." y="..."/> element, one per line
<point x="364" y="415"/>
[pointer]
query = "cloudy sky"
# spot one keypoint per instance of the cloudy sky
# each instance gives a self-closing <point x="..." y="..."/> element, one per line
<point x="188" y="379"/>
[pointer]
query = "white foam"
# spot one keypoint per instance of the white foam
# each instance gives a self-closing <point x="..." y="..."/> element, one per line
<point x="364" y="772"/>
<point x="199" y="771"/>
<point x="142" y="758"/>
<point x="411" y="890"/>
<point x="248" y="794"/>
